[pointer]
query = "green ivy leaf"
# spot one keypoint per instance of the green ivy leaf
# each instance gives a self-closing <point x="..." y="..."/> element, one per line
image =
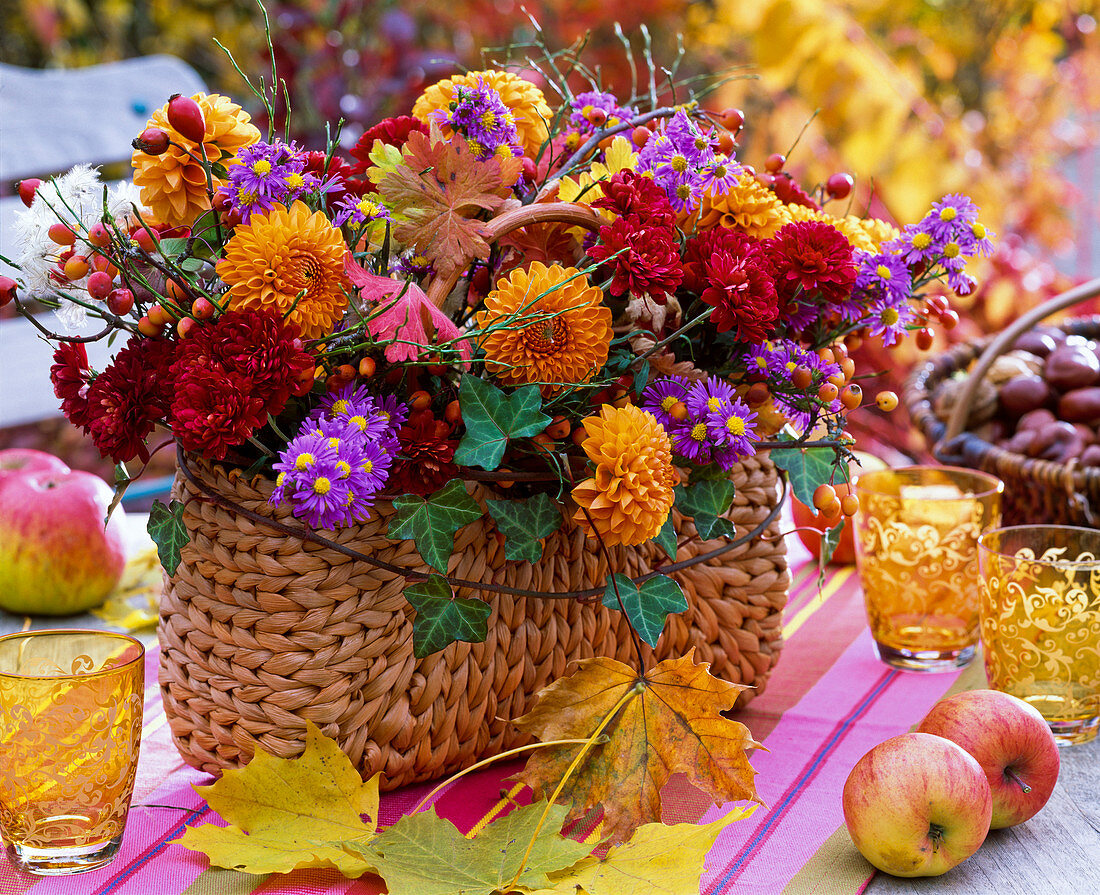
<point x="705" y="501"/>
<point x="441" y="619"/>
<point x="523" y="523"/>
<point x="431" y="524"/>
<point x="647" y="608"/>
<point x="666" y="538"/>
<point x="641" y="377"/>
<point x="830" y="539"/>
<point x="168" y="532"/>
<point x="809" y="467"/>
<point x="492" y="418"/>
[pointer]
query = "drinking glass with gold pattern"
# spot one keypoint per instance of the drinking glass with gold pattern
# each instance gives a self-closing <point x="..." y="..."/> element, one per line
<point x="70" y="724"/>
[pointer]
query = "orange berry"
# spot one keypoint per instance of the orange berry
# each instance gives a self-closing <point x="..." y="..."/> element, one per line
<point x="886" y="401"/>
<point x="949" y="319"/>
<point x="678" y="411"/>
<point x="542" y="439"/>
<point x="77" y="267"/>
<point x="840" y="351"/>
<point x="184" y="326"/>
<point x="579" y="435"/>
<point x="757" y="394"/>
<point x="826" y="355"/>
<point x="157" y="315"/>
<point x="144" y="239"/>
<point x="847" y="367"/>
<point x="61" y="234"/>
<point x="559" y="428"/>
<point x="924" y="338"/>
<point x="731" y="119"/>
<point x="849" y="504"/>
<point x="831" y="511"/>
<point x="824" y="495"/>
<point x="177" y="292"/>
<point x="347" y="371"/>
<point x="853" y="341"/>
<point x="100" y="284"/>
<point x="147" y="328"/>
<point x="367" y="366"/>
<point x="420" y="400"/>
<point x="851" y="396"/>
<point x="640" y="136"/>
<point x="202" y="308"/>
<point x="801" y="377"/>
<point x="99" y="235"/>
<point x="726" y="144"/>
<point x="838" y="379"/>
<point x="453" y="412"/>
<point x="828" y="392"/>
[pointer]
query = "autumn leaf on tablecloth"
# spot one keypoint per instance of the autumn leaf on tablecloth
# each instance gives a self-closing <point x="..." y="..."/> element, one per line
<point x="440" y="187"/>
<point x="658" y="859"/>
<point x="808" y="467"/>
<point x="133" y="604"/>
<point x="168" y="532"/>
<point x="671" y="721"/>
<point x="289" y="813"/>
<point x="441" y="618"/>
<point x="492" y="418"/>
<point x="427" y="855"/>
<point x="524" y="523"/>
<point x="431" y="523"/>
<point x="646" y="606"/>
<point x="403" y="313"/>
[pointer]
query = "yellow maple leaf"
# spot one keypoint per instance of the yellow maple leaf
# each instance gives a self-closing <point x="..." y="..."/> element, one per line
<point x="658" y="859"/>
<point x="667" y="720"/>
<point x="286" y="814"/>
<point x="132" y="606"/>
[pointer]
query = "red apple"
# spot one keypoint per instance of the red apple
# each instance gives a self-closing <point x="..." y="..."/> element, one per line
<point x="1012" y="743"/>
<point x="24" y="461"/>
<point x="56" y="555"/>
<point x="917" y="805"/>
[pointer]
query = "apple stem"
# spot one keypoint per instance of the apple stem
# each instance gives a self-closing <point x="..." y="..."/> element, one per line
<point x="1013" y="776"/>
<point x="935" y="834"/>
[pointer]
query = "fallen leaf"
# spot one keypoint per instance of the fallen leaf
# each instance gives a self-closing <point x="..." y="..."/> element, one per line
<point x="133" y="605"/>
<point x="440" y="187"/>
<point x="426" y="854"/>
<point x="286" y="814"/>
<point x="672" y="723"/>
<point x="658" y="860"/>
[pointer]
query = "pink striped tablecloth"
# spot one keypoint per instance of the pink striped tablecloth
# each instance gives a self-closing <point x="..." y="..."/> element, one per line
<point x="828" y="701"/>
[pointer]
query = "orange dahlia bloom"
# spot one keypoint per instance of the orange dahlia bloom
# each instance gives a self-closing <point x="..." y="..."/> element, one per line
<point x="544" y="329"/>
<point x="173" y="185"/>
<point x="630" y="495"/>
<point x="749" y="206"/>
<point x="282" y="255"/>
<point x="525" y="100"/>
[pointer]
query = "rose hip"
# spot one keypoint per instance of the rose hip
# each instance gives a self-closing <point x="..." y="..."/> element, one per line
<point x="185" y="116"/>
<point x="27" y="189"/>
<point x="120" y="302"/>
<point x="8" y="289"/>
<point x="838" y="186"/>
<point x="152" y="141"/>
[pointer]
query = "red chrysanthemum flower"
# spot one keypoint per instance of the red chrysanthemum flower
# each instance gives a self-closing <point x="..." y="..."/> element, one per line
<point x="646" y="259"/>
<point x="426" y="462"/>
<point x="740" y="290"/>
<point x="130" y="397"/>
<point x="629" y="193"/>
<point x="334" y="171"/>
<point x="250" y="343"/>
<point x="391" y="131"/>
<point x="811" y="257"/>
<point x="705" y="244"/>
<point x="71" y="378"/>
<point x="215" y="410"/>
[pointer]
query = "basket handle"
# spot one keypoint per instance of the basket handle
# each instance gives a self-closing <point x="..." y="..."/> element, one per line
<point x="502" y="225"/>
<point x="1003" y="343"/>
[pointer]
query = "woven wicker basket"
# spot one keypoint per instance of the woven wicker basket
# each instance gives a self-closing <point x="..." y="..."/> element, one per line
<point x="260" y="630"/>
<point x="1035" y="490"/>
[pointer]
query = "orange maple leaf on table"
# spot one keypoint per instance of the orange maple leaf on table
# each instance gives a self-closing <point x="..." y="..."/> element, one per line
<point x="672" y="723"/>
<point x="438" y="191"/>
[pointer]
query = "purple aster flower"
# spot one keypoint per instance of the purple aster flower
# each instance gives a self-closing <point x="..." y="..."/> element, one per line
<point x="662" y="395"/>
<point x="915" y="245"/>
<point x="586" y="103"/>
<point x="952" y="215"/>
<point x="883" y="275"/>
<point x="320" y="496"/>
<point x="758" y="360"/>
<point x="479" y="114"/>
<point x="411" y="266"/>
<point x="708" y="395"/>
<point x="394" y="412"/>
<point x="720" y="176"/>
<point x="732" y="429"/>
<point x="978" y="240"/>
<point x="338" y="402"/>
<point x="889" y="318"/>
<point x="264" y="174"/>
<point x="374" y="467"/>
<point x="690" y="439"/>
<point x="360" y="210"/>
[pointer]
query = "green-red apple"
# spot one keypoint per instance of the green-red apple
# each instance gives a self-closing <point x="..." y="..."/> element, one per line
<point x="917" y="805"/>
<point x="1012" y="743"/>
<point x="56" y="555"/>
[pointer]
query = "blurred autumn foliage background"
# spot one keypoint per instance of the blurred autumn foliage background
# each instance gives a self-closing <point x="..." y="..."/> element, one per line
<point x="917" y="98"/>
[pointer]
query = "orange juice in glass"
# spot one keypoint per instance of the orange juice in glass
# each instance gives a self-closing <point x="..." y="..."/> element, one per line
<point x="70" y="728"/>
<point x="917" y="532"/>
<point x="1040" y="620"/>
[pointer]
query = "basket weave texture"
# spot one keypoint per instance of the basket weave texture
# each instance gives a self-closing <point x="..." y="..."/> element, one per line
<point x="1036" y="491"/>
<point x="260" y="631"/>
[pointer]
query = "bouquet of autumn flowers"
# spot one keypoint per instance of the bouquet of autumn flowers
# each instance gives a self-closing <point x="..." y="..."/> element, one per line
<point x="592" y="301"/>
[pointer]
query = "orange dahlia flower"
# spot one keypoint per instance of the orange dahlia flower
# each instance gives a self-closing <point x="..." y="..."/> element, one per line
<point x="546" y="325"/>
<point x="749" y="206"/>
<point x="289" y="258"/>
<point x="630" y="495"/>
<point x="527" y="103"/>
<point x="173" y="185"/>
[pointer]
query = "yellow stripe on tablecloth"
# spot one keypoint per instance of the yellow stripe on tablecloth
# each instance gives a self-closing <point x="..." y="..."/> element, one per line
<point x="838" y="579"/>
<point x="507" y="800"/>
<point x="215" y="881"/>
